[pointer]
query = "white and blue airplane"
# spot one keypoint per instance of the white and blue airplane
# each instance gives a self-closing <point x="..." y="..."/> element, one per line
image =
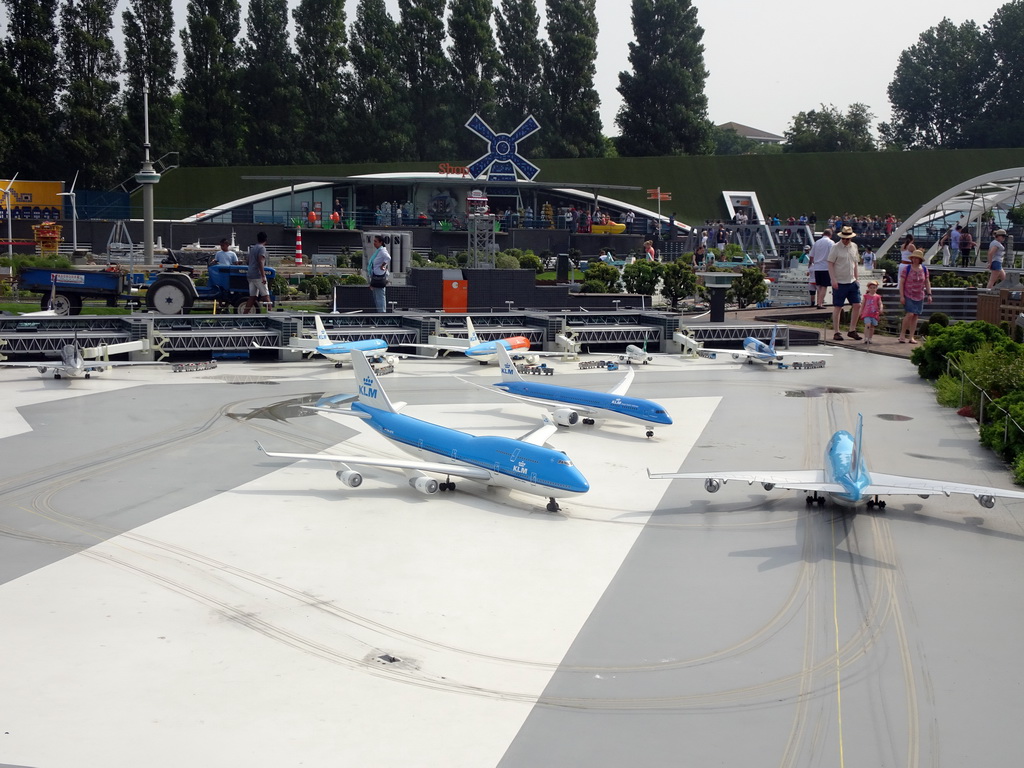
<point x="845" y="479"/>
<point x="76" y="361"/>
<point x="755" y="349"/>
<point x="337" y="351"/>
<point x="485" y="351"/>
<point x="523" y="464"/>
<point x="575" y="405"/>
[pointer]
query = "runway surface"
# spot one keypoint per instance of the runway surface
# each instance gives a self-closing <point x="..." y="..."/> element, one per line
<point x="170" y="595"/>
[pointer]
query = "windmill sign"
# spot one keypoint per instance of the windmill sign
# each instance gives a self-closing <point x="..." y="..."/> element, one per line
<point x="502" y="162"/>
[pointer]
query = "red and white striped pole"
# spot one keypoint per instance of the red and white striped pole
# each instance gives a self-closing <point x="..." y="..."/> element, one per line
<point x="298" y="246"/>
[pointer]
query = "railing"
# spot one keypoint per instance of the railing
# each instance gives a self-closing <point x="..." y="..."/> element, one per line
<point x="984" y="396"/>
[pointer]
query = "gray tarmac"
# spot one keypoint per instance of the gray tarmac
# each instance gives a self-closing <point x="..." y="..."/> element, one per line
<point x="171" y="594"/>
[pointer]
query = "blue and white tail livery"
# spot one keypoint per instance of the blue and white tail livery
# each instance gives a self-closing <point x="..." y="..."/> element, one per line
<point x="756" y="350"/>
<point x="844" y="478"/>
<point x="523" y="464"/>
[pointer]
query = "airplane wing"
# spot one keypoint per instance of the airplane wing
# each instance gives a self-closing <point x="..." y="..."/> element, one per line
<point x="794" y="480"/>
<point x="40" y="364"/>
<point x="745" y="353"/>
<point x="92" y="365"/>
<point x="887" y="485"/>
<point x="540" y="435"/>
<point x="622" y="387"/>
<point x="455" y="470"/>
<point x="256" y="345"/>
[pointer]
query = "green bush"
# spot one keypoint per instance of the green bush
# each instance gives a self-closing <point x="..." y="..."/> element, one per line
<point x="1018" y="470"/>
<point x="606" y="274"/>
<point x="1001" y="435"/>
<point x="506" y="261"/>
<point x="748" y="288"/>
<point x="530" y="260"/>
<point x="939" y="318"/>
<point x="641" y="276"/>
<point x="930" y="357"/>
<point x="677" y="282"/>
<point x="594" y="286"/>
<point x="353" y="280"/>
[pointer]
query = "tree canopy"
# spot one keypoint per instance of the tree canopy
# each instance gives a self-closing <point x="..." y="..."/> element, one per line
<point x="829" y="130"/>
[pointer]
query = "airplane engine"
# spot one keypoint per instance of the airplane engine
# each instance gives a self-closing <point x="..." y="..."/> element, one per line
<point x="711" y="485"/>
<point x="987" y="501"/>
<point x="350" y="477"/>
<point x="566" y="417"/>
<point x="426" y="485"/>
<point x="41" y="369"/>
<point x="735" y="357"/>
<point x="767" y="486"/>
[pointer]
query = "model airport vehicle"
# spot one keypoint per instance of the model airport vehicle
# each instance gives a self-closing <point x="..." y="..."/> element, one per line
<point x="174" y="292"/>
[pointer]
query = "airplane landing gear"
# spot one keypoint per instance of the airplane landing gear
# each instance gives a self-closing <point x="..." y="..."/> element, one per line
<point x="588" y="421"/>
<point x="339" y="365"/>
<point x="650" y="433"/>
<point x="553" y="505"/>
<point x="447" y="485"/>
<point x="876" y="502"/>
<point x="815" y="499"/>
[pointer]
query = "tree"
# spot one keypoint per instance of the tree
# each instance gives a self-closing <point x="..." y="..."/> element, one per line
<point x="677" y="282"/>
<point x="377" y="107"/>
<point x="91" y="117"/>
<point x="664" y="108"/>
<point x="428" y="77"/>
<point x="520" y="64"/>
<point x="999" y="124"/>
<point x="211" y="117"/>
<point x="604" y="274"/>
<point x="474" y="59"/>
<point x="828" y="130"/>
<point x="321" y="40"/>
<point x="571" y="117"/>
<point x="940" y="88"/>
<point x="268" y="88"/>
<point x="727" y="141"/>
<point x="31" y="80"/>
<point x="150" y="58"/>
<point x="641" y="276"/>
<point x="748" y="288"/>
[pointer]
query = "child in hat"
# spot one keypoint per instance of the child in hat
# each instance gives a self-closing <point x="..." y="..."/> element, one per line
<point x="871" y="310"/>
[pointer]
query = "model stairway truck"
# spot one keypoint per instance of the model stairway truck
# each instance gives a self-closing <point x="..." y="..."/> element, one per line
<point x="173" y="292"/>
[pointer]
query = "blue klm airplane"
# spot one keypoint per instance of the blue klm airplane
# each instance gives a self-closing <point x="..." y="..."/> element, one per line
<point x="845" y="479"/>
<point x="523" y="464"/>
<point x="334" y="350"/>
<point x="574" y="403"/>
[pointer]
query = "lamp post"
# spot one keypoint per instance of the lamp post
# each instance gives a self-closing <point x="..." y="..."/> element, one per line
<point x="7" y="204"/>
<point x="147" y="177"/>
<point x="74" y="213"/>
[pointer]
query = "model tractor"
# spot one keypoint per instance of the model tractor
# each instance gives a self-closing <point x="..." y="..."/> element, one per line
<point x="174" y="292"/>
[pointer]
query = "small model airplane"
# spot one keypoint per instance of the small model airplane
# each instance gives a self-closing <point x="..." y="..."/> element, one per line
<point x="575" y="404"/>
<point x="635" y="356"/>
<point x="523" y="464"/>
<point x="484" y="351"/>
<point x="73" y="362"/>
<point x="333" y="350"/>
<point x="845" y="479"/>
<point x="755" y="349"/>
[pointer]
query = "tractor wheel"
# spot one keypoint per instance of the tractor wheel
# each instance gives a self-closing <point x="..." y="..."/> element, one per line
<point x="169" y="298"/>
<point x="63" y="303"/>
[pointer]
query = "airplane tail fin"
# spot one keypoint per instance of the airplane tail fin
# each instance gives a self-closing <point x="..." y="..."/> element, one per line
<point x="321" y="332"/>
<point x="775" y="330"/>
<point x="857" y="438"/>
<point x="471" y="331"/>
<point x="371" y="394"/>
<point x="508" y="368"/>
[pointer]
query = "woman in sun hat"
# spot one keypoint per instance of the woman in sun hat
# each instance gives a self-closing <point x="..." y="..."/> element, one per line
<point x="915" y="290"/>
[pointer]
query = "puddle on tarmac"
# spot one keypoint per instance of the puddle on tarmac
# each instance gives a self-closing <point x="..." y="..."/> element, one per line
<point x="817" y="392"/>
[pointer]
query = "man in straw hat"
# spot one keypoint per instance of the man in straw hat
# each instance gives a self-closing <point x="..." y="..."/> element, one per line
<point x="843" y="259"/>
<point x="996" y="251"/>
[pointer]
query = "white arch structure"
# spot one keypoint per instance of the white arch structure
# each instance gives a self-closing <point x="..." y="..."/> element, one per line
<point x="996" y="190"/>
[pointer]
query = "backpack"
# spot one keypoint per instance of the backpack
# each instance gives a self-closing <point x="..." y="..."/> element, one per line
<point x="966" y="241"/>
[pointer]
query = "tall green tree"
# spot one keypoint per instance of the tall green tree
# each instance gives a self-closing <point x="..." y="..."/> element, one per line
<point x="268" y="88"/>
<point x="29" y="84"/>
<point x="1000" y="123"/>
<point x="474" y="59"/>
<point x="321" y="40"/>
<point x="940" y="87"/>
<point x="378" y="113"/>
<point x="520" y="63"/>
<point x="664" y="108"/>
<point x="211" y="118"/>
<point x="150" y="58"/>
<point x="428" y="77"/>
<point x="91" y="115"/>
<point x="572" y="122"/>
<point x="829" y="130"/>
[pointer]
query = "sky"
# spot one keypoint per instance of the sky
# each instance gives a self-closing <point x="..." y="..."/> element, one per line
<point x="767" y="61"/>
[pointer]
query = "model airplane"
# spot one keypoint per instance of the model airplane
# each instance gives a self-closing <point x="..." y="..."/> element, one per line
<point x="845" y="479"/>
<point x="337" y="351"/>
<point x="755" y="349"/>
<point x="73" y="362"/>
<point x="485" y="351"/>
<point x="523" y="465"/>
<point x="574" y="405"/>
